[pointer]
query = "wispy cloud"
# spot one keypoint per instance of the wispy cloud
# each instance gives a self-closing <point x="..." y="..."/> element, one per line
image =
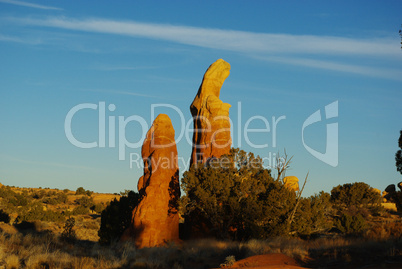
<point x="227" y="39"/>
<point x="121" y="67"/>
<point x="15" y="39"/>
<point x="27" y="4"/>
<point x="387" y="73"/>
<point x="298" y="50"/>
<point x="129" y="93"/>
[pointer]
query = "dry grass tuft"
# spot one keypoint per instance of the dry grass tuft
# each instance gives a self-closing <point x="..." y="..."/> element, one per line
<point x="12" y="262"/>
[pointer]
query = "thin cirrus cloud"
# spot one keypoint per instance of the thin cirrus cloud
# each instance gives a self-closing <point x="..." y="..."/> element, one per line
<point x="225" y="39"/>
<point x="15" y="39"/>
<point x="27" y="4"/>
<point x="387" y="73"/>
<point x="285" y="48"/>
<point x="132" y="93"/>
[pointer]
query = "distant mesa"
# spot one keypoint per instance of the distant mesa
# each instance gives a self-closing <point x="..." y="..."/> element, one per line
<point x="156" y="219"/>
<point x="291" y="182"/>
<point x="211" y="136"/>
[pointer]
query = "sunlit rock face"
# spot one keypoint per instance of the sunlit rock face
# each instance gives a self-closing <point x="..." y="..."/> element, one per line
<point x="211" y="136"/>
<point x="291" y="182"/>
<point x="156" y="219"/>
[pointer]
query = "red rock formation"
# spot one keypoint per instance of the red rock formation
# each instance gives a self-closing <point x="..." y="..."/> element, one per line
<point x="211" y="136"/>
<point x="156" y="218"/>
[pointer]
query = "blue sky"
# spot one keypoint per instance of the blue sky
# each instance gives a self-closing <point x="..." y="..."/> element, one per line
<point x="287" y="59"/>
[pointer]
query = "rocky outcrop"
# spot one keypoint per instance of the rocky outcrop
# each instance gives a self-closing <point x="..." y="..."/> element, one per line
<point x="211" y="136"/>
<point x="291" y="182"/>
<point x="390" y="188"/>
<point x="156" y="219"/>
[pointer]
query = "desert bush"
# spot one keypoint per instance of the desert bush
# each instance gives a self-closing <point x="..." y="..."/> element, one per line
<point x="36" y="212"/>
<point x="80" y="191"/>
<point x="354" y="194"/>
<point x="59" y="198"/>
<point x="398" y="155"/>
<point x="4" y="217"/>
<point x="116" y="217"/>
<point x="68" y="233"/>
<point x="80" y="210"/>
<point x="98" y="208"/>
<point x="39" y="194"/>
<point x="235" y="197"/>
<point x="351" y="224"/>
<point x="84" y="201"/>
<point x="384" y="231"/>
<point x="313" y="215"/>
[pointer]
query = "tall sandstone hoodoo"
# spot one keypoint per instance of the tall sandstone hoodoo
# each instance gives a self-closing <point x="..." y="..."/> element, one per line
<point x="211" y="136"/>
<point x="156" y="219"/>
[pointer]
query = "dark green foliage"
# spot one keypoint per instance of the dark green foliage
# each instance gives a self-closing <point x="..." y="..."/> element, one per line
<point x="59" y="198"/>
<point x="80" y="210"/>
<point x="313" y="215"/>
<point x="88" y="192"/>
<point x="39" y="194"/>
<point x="80" y="191"/>
<point x="354" y="194"/>
<point x="68" y="233"/>
<point x="84" y="201"/>
<point x="116" y="217"/>
<point x="98" y="208"/>
<point x="354" y="204"/>
<point x="13" y="200"/>
<point x="236" y="197"/>
<point x="398" y="155"/>
<point x="4" y="217"/>
<point x="18" y="200"/>
<point x="351" y="224"/>
<point x="36" y="212"/>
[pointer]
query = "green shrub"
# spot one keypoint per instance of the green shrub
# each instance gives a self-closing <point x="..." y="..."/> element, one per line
<point x="357" y="194"/>
<point x="98" y="208"/>
<point x="84" y="201"/>
<point x="351" y="225"/>
<point x="116" y="217"/>
<point x="18" y="200"/>
<point x="356" y="198"/>
<point x="80" y="191"/>
<point x="4" y="217"/>
<point x="313" y="215"/>
<point x="36" y="212"/>
<point x="80" y="210"/>
<point x="234" y="197"/>
<point x="68" y="233"/>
